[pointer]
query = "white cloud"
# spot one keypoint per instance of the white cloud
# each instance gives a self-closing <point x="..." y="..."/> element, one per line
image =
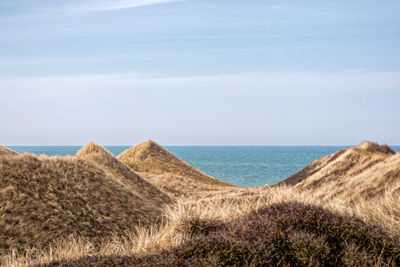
<point x="354" y="70"/>
<point x="296" y="82"/>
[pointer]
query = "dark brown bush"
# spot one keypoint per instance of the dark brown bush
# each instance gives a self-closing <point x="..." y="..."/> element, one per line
<point x="290" y="234"/>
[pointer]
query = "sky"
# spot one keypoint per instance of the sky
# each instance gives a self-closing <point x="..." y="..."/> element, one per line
<point x="199" y="72"/>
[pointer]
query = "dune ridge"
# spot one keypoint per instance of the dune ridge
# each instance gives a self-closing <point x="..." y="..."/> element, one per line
<point x="4" y="151"/>
<point x="366" y="171"/>
<point x="123" y="174"/>
<point x="169" y="173"/>
<point x="151" y="157"/>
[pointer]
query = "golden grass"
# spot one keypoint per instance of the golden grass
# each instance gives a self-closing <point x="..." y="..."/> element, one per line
<point x="152" y="158"/>
<point x="4" y="151"/>
<point x="122" y="174"/>
<point x="345" y="175"/>
<point x="44" y="200"/>
<point x="221" y="208"/>
<point x="364" y="172"/>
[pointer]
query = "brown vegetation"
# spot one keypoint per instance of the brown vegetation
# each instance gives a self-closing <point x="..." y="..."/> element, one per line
<point x="124" y="175"/>
<point x="169" y="173"/>
<point x="4" y="151"/>
<point x="289" y="234"/>
<point x="340" y="210"/>
<point x="367" y="171"/>
<point x="43" y="199"/>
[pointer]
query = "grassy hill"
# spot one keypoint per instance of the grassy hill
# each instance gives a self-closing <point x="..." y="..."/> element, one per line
<point x="46" y="199"/>
<point x="168" y="172"/>
<point x="341" y="210"/>
<point x="366" y="171"/>
<point x="124" y="175"/>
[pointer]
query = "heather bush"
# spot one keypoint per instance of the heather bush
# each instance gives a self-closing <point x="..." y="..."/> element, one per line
<point x="287" y="234"/>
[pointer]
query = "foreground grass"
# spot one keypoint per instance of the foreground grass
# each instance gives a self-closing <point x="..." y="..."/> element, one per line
<point x="222" y="208"/>
<point x="284" y="234"/>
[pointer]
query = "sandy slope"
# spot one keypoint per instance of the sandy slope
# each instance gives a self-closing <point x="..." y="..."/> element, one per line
<point x="366" y="171"/>
<point x="43" y="199"/>
<point x="123" y="174"/>
<point x="167" y="172"/>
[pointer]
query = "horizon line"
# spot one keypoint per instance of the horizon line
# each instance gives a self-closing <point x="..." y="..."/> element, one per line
<point x="280" y="145"/>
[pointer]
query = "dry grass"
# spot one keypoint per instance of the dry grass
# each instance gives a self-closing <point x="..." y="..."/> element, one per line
<point x="122" y="174"/>
<point x="219" y="208"/>
<point x="365" y="172"/>
<point x="43" y="200"/>
<point x="4" y="151"/>
<point x="286" y="234"/>
<point x="340" y="167"/>
<point x="152" y="158"/>
<point x="204" y="207"/>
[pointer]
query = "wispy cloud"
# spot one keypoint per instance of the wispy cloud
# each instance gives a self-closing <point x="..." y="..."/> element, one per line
<point x="94" y="6"/>
<point x="289" y="82"/>
<point x="47" y="10"/>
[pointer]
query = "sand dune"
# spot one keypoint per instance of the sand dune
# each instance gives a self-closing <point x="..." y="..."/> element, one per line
<point x="44" y="199"/>
<point x="168" y="172"/>
<point x="153" y="158"/>
<point x="122" y="174"/>
<point x="340" y="210"/>
<point x="4" y="151"/>
<point x="366" y="171"/>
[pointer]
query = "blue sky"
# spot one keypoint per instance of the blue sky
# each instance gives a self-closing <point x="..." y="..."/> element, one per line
<point x="199" y="72"/>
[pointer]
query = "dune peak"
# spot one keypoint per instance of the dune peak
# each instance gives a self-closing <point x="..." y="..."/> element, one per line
<point x="369" y="170"/>
<point x="92" y="148"/>
<point x="150" y="146"/>
<point x="148" y="150"/>
<point x="375" y="147"/>
<point x="153" y="158"/>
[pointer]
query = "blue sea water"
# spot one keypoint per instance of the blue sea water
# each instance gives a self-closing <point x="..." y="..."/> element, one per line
<point x="247" y="166"/>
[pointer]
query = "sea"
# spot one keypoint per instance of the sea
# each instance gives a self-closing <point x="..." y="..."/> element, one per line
<point x="246" y="166"/>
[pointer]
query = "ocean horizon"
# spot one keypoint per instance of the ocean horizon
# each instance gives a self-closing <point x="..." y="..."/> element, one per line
<point x="246" y="166"/>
